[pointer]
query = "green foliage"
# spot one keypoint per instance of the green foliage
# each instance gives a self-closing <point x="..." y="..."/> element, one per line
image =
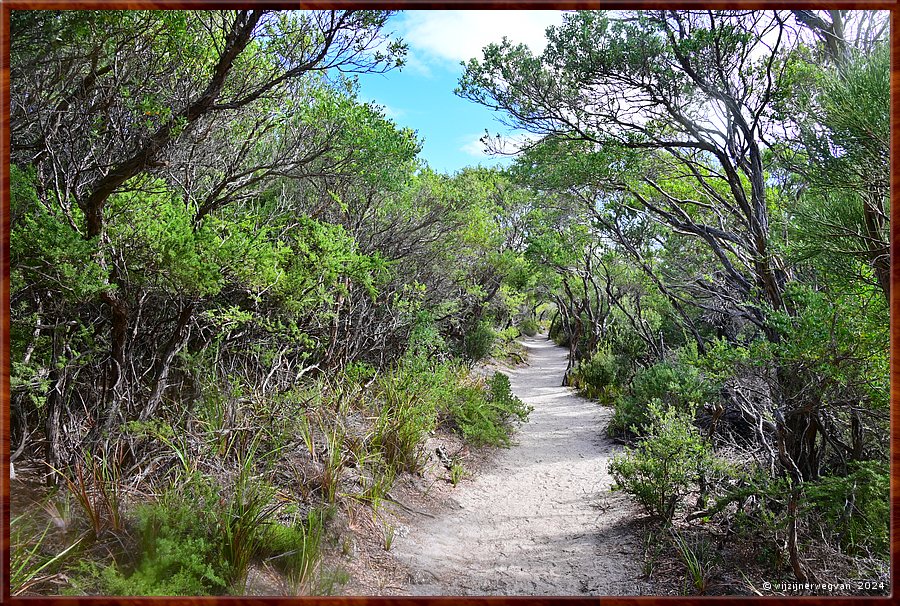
<point x="425" y="340"/>
<point x="409" y="397"/>
<point x="242" y="523"/>
<point x="457" y="473"/>
<point x="667" y="463"/>
<point x="295" y="550"/>
<point x="335" y="456"/>
<point x="179" y="566"/>
<point x="478" y="341"/>
<point x="388" y="532"/>
<point x="359" y="372"/>
<point x="31" y="562"/>
<point x="699" y="557"/>
<point x="291" y="233"/>
<point x="598" y="376"/>
<point x="506" y="345"/>
<point x="483" y="417"/>
<point x="95" y="482"/>
<point x="529" y="327"/>
<point x="678" y="384"/>
<point x="836" y="341"/>
<point x="179" y="555"/>
<point x="157" y="229"/>
<point x="855" y="507"/>
<point x="46" y="250"/>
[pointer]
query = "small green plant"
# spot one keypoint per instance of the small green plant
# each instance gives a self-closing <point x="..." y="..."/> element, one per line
<point x="95" y="482"/>
<point x="29" y="562"/>
<point x="296" y="550"/>
<point x="305" y="429"/>
<point x="667" y="463"/>
<point x="457" y="473"/>
<point x="330" y="580"/>
<point x="653" y="552"/>
<point x="359" y="372"/>
<point x="700" y="559"/>
<point x="179" y="566"/>
<point x="179" y="553"/>
<point x="377" y="482"/>
<point x="529" y="327"/>
<point x="336" y="458"/>
<point x="246" y="514"/>
<point x="213" y="415"/>
<point x="409" y="396"/>
<point x="388" y="532"/>
<point x="483" y="415"/>
<point x="598" y="376"/>
<point x="503" y="397"/>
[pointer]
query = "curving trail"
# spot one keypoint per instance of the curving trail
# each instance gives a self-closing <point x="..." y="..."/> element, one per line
<point x="541" y="519"/>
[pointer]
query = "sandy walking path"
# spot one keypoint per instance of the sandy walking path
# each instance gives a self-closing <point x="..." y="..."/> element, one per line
<point x="541" y="519"/>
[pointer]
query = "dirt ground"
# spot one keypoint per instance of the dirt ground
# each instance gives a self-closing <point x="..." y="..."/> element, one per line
<point x="535" y="519"/>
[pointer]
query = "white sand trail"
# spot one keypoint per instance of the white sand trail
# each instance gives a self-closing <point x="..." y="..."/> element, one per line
<point x="541" y="520"/>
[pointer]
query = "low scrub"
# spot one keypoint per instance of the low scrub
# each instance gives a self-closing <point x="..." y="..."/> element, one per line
<point x="597" y="377"/>
<point x="478" y="341"/>
<point x="180" y="553"/>
<point x="409" y="398"/>
<point x="295" y="549"/>
<point x="677" y="384"/>
<point x="668" y="463"/>
<point x="484" y="415"/>
<point x="529" y="327"/>
<point x="854" y="509"/>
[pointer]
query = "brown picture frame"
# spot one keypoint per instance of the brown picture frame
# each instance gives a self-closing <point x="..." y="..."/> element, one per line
<point x="10" y="5"/>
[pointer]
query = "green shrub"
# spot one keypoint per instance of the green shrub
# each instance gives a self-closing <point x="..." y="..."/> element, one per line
<point x="178" y="566"/>
<point x="359" y="372"/>
<point x="179" y="553"/>
<point x="475" y="418"/>
<point x="502" y="397"/>
<point x="478" y="341"/>
<point x="296" y="550"/>
<point x="529" y="327"/>
<point x="856" y="507"/>
<point x="597" y="376"/>
<point x="667" y="464"/>
<point x="483" y="417"/>
<point x="678" y="384"/>
<point x="409" y="397"/>
<point x="376" y="478"/>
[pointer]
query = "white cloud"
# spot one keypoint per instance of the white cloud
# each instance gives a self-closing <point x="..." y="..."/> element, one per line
<point x="460" y="35"/>
<point x="417" y="66"/>
<point x="474" y="147"/>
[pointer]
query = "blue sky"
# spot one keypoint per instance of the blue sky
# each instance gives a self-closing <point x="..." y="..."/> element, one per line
<point x="420" y="95"/>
